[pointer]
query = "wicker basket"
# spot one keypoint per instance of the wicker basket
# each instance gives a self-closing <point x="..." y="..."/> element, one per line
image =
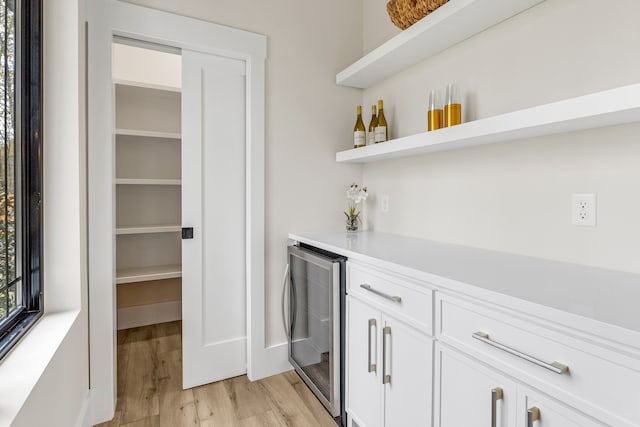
<point x="405" y="13"/>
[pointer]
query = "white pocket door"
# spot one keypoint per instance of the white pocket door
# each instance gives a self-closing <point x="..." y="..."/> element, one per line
<point x="214" y="326"/>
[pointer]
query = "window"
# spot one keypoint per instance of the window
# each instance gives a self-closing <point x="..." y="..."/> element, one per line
<point x="20" y="169"/>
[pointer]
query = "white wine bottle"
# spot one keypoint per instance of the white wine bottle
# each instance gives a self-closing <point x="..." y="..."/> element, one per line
<point x="372" y="126"/>
<point x="381" y="129"/>
<point x="359" y="134"/>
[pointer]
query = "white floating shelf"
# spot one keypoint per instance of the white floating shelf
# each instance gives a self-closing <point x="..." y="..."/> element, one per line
<point x="149" y="134"/>
<point x="448" y="25"/>
<point x="608" y="108"/>
<point x="145" y="274"/>
<point x="148" y="229"/>
<point x="145" y="85"/>
<point x="138" y="181"/>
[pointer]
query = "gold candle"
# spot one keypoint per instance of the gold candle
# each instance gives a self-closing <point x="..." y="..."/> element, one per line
<point x="452" y="107"/>
<point x="434" y="112"/>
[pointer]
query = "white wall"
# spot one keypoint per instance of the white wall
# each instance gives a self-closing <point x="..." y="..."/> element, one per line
<point x="60" y="395"/>
<point x="515" y="197"/>
<point x="308" y="117"/>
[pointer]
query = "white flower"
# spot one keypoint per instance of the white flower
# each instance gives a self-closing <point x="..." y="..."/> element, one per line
<point x="357" y="194"/>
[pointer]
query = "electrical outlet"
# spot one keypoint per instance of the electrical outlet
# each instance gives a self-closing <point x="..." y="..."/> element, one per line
<point x="384" y="203"/>
<point x="583" y="209"/>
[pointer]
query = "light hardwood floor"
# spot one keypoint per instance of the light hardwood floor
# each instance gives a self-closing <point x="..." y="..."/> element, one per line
<point x="150" y="390"/>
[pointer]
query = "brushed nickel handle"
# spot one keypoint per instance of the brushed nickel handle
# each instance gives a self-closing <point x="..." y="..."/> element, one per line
<point x="393" y="298"/>
<point x="556" y="367"/>
<point x="533" y="414"/>
<point x="372" y="366"/>
<point x="386" y="376"/>
<point x="496" y="394"/>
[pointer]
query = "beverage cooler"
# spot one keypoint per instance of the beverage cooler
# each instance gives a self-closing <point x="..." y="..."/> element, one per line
<point x="315" y="323"/>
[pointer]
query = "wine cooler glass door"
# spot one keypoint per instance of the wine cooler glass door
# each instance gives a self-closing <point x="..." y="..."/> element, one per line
<point x="314" y="286"/>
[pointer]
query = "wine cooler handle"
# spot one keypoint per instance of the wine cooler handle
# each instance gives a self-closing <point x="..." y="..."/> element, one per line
<point x="386" y="376"/>
<point x="496" y="394"/>
<point x="284" y="298"/>
<point x="533" y="414"/>
<point x="372" y="366"/>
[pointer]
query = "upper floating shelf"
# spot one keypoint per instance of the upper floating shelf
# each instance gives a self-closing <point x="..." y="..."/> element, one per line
<point x="448" y="25"/>
<point x="608" y="108"/>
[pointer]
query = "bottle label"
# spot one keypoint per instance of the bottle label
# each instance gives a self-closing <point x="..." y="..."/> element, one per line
<point x="371" y="137"/>
<point x="359" y="138"/>
<point x="380" y="134"/>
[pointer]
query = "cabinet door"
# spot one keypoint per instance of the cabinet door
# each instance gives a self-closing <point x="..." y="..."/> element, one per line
<point x="407" y="372"/>
<point x="471" y="394"/>
<point x="538" y="410"/>
<point x="364" y="380"/>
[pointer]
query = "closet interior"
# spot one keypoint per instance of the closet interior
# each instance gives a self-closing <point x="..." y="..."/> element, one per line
<point x="147" y="135"/>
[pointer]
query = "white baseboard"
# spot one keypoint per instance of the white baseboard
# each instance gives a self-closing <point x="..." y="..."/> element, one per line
<point x="142" y="315"/>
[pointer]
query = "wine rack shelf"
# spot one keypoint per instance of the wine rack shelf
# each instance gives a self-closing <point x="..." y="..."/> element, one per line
<point x="450" y="24"/>
<point x="601" y="109"/>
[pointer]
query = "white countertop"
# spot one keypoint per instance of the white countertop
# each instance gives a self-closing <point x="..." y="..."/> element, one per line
<point x="608" y="296"/>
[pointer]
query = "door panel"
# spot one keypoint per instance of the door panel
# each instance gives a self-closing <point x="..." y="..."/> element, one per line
<point x="464" y="392"/>
<point x="213" y="203"/>
<point x="364" y="381"/>
<point x="408" y="394"/>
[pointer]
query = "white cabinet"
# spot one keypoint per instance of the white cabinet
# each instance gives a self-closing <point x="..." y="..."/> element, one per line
<point x="365" y="395"/>
<point x="505" y="355"/>
<point x="471" y="394"/>
<point x="408" y="365"/>
<point x="579" y="374"/>
<point x="389" y="361"/>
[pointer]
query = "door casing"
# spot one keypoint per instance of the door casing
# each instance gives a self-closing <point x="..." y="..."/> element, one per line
<point x="110" y="18"/>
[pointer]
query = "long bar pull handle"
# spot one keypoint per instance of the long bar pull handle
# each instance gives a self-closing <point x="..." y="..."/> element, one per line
<point x="393" y="298"/>
<point x="556" y="367"/>
<point x="533" y="414"/>
<point x="386" y="376"/>
<point x="372" y="366"/>
<point x="496" y="394"/>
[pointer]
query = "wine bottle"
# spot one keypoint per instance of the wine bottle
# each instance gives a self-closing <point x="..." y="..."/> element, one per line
<point x="452" y="106"/>
<point x="372" y="126"/>
<point x="359" y="138"/>
<point x="381" y="129"/>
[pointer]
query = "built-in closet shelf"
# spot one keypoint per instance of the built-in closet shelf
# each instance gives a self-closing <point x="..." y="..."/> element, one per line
<point x="149" y="134"/>
<point x="144" y="181"/>
<point x="448" y="25"/>
<point x="144" y="85"/>
<point x="145" y="274"/>
<point x="608" y="108"/>
<point x="148" y="229"/>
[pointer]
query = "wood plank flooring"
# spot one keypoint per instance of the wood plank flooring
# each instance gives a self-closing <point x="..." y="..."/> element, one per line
<point x="150" y="390"/>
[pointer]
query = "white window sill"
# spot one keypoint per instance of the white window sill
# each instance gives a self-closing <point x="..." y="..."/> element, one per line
<point x="24" y="365"/>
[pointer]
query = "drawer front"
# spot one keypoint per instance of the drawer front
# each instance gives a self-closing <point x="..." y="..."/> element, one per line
<point x="532" y="353"/>
<point x="409" y="301"/>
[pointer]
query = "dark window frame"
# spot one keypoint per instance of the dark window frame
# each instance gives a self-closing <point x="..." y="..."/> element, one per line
<point x="29" y="91"/>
